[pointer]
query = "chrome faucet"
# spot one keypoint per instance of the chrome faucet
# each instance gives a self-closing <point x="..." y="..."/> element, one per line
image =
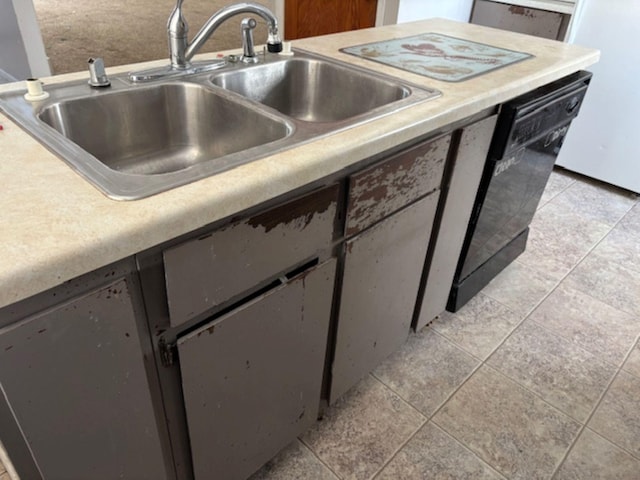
<point x="181" y="51"/>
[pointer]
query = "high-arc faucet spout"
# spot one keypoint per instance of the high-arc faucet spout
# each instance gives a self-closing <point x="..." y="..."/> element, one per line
<point x="181" y="51"/>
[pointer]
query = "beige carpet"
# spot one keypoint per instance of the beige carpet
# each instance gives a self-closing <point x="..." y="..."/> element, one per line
<point x="123" y="32"/>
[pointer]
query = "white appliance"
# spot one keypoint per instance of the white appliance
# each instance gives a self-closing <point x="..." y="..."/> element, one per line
<point x="604" y="141"/>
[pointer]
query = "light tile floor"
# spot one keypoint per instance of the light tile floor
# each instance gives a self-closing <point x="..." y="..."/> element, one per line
<point x="537" y="377"/>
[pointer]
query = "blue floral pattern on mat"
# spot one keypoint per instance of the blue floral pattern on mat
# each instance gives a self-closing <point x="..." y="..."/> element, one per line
<point x="438" y="56"/>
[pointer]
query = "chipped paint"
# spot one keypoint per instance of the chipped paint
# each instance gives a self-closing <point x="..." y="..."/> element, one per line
<point x="394" y="183"/>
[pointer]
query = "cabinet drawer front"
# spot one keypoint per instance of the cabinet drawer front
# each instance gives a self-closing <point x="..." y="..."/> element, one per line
<point x="207" y="271"/>
<point x="252" y="378"/>
<point x="382" y="272"/>
<point x="395" y="182"/>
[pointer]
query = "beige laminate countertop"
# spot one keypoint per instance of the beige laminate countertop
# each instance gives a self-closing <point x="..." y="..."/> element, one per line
<point x="56" y="226"/>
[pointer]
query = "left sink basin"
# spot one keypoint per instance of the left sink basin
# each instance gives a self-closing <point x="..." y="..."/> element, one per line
<point x="135" y="141"/>
<point x="161" y="129"/>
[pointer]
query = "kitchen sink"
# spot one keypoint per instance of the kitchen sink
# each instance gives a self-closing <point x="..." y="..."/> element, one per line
<point x="313" y="90"/>
<point x="132" y="140"/>
<point x="162" y="128"/>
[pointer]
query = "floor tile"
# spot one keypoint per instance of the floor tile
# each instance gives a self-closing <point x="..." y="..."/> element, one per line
<point x="621" y="246"/>
<point x="559" y="239"/>
<point x="557" y="183"/>
<point x="520" y="287"/>
<point x="596" y="201"/>
<point x="426" y="370"/>
<point x="609" y="282"/>
<point x="432" y="454"/>
<point x="593" y="457"/>
<point x="618" y="416"/>
<point x="294" y="462"/>
<point x="568" y="377"/>
<point x="631" y="221"/>
<point x="509" y="427"/>
<point x="363" y="430"/>
<point x="632" y="365"/>
<point x="589" y="323"/>
<point x="478" y="327"/>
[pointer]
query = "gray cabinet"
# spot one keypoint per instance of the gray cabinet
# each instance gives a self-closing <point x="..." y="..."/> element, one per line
<point x="523" y="19"/>
<point x="206" y="271"/>
<point x="392" y="205"/>
<point x="73" y="377"/>
<point x="251" y="379"/>
<point x="382" y="271"/>
<point x="458" y="199"/>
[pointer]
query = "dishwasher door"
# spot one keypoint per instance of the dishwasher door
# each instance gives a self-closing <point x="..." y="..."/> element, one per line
<point x="526" y="142"/>
<point x="512" y="197"/>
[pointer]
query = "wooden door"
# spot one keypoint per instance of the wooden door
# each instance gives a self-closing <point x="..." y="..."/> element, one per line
<point x="308" y="18"/>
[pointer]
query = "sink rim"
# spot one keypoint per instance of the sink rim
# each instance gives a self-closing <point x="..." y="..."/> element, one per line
<point x="119" y="185"/>
<point x="406" y="88"/>
<point x="167" y="86"/>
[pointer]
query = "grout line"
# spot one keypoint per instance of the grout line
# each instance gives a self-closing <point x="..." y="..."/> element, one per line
<point x="393" y="455"/>
<point x="580" y="347"/>
<point x="622" y="449"/>
<point x="318" y="458"/>
<point x="403" y="444"/>
<point x="498" y="472"/>
<point x="579" y="434"/>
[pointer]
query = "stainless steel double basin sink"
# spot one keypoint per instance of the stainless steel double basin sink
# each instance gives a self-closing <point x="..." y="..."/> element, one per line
<point x="135" y="140"/>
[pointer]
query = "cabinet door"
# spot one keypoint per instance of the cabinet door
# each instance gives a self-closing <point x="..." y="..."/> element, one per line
<point x="460" y="196"/>
<point x="75" y="381"/>
<point x="252" y="378"/>
<point x="382" y="272"/>
<point x="515" y="18"/>
<point x="309" y="18"/>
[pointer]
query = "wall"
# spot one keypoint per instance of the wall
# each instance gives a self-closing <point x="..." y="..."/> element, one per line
<point x="13" y="56"/>
<point x="411" y="10"/>
<point x="22" y="53"/>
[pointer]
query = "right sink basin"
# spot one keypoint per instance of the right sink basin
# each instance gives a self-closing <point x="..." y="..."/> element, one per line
<point x="313" y="90"/>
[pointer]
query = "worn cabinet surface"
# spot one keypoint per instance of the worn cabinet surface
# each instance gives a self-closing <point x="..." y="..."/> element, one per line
<point x="515" y="18"/>
<point x="74" y="379"/>
<point x="382" y="271"/>
<point x="251" y="379"/>
<point x="459" y="196"/>
<point x="206" y="271"/>
<point x="390" y="185"/>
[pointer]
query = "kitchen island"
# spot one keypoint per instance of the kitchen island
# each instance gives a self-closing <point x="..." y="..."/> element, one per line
<point x="67" y="248"/>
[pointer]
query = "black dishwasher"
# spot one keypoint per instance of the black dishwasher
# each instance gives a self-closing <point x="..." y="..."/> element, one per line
<point x="528" y="136"/>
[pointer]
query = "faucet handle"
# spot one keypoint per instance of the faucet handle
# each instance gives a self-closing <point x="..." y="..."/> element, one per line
<point x="97" y="75"/>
